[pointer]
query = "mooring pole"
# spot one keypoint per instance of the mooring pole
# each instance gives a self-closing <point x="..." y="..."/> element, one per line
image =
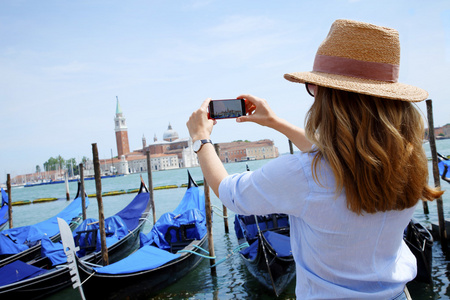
<point x="224" y="208"/>
<point x="66" y="173"/>
<point x="208" y="212"/>
<point x="437" y="182"/>
<point x="101" y="216"/>
<point x="83" y="193"/>
<point x="8" y="186"/>
<point x="291" y="148"/>
<point x="150" y="185"/>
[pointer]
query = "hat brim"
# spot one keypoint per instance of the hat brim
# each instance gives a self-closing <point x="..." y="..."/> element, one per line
<point x="382" y="89"/>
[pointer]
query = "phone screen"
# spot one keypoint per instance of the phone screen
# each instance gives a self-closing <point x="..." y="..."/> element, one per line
<point x="226" y="109"/>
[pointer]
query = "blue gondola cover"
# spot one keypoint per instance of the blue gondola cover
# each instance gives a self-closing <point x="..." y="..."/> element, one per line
<point x="4" y="197"/>
<point x="153" y="252"/>
<point x="4" y="208"/>
<point x="17" y="271"/>
<point x="135" y="208"/>
<point x="54" y="251"/>
<point x="116" y="228"/>
<point x="147" y="258"/>
<point x="16" y="240"/>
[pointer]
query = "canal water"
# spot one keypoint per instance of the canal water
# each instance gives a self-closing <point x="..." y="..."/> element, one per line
<point x="233" y="281"/>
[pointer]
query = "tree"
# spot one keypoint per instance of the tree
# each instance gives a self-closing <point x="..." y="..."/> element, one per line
<point x="72" y="164"/>
<point x="38" y="169"/>
<point x="61" y="162"/>
<point x="51" y="164"/>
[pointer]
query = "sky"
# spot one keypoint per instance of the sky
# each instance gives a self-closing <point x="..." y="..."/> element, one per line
<point x="63" y="63"/>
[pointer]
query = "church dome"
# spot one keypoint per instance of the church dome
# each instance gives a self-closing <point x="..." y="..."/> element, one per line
<point x="170" y="135"/>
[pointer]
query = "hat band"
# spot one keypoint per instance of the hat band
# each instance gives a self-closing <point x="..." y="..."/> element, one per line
<point x="356" y="68"/>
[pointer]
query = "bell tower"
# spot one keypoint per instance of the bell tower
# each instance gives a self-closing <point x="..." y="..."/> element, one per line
<point x="121" y="130"/>
<point x="144" y="142"/>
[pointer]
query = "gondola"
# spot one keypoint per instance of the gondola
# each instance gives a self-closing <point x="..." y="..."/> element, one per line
<point x="269" y="258"/>
<point x="420" y="242"/>
<point x="168" y="252"/>
<point x="24" y="243"/>
<point x="271" y="261"/>
<point x="46" y="275"/>
<point x="4" y="215"/>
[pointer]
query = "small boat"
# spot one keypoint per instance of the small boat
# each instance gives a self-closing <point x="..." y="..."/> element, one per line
<point x="165" y="187"/>
<point x="269" y="258"/>
<point x="49" y="274"/>
<point x="21" y="202"/>
<point x="168" y="252"/>
<point x="24" y="242"/>
<point x="113" y="193"/>
<point x="41" y="200"/>
<point x="420" y="242"/>
<point x="4" y="214"/>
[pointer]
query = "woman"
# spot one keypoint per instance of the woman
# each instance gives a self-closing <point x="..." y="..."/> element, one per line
<point x="352" y="190"/>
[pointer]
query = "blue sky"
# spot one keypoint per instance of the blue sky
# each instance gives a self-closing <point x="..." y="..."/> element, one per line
<point x="62" y="64"/>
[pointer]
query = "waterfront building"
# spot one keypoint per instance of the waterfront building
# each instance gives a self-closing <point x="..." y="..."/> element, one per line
<point x="170" y="153"/>
<point x="38" y="177"/>
<point x="439" y="132"/>
<point x="245" y="150"/>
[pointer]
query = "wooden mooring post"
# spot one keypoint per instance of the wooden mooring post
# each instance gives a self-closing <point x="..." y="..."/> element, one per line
<point x="66" y="175"/>
<point x="437" y="182"/>
<point x="224" y="208"/>
<point x="83" y="193"/>
<point x="291" y="148"/>
<point x="101" y="216"/>
<point x="208" y="212"/>
<point x="8" y="186"/>
<point x="150" y="185"/>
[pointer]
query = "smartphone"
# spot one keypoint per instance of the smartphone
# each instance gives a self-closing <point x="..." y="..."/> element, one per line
<point x="227" y="108"/>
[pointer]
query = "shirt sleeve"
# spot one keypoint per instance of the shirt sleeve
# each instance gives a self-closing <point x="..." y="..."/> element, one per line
<point x="280" y="186"/>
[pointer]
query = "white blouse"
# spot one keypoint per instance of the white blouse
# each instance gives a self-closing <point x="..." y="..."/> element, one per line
<point x="338" y="254"/>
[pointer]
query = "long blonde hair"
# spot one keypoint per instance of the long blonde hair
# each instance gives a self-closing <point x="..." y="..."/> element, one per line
<point x="374" y="147"/>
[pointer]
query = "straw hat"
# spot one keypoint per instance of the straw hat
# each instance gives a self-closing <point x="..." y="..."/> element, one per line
<point x="363" y="58"/>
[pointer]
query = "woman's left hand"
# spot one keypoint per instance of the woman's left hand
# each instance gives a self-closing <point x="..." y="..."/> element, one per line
<point x="199" y="125"/>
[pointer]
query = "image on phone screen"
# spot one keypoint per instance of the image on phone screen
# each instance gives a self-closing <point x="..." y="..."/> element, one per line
<point x="225" y="109"/>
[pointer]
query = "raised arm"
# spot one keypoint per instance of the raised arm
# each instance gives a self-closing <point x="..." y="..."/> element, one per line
<point x="260" y="112"/>
<point x="200" y="128"/>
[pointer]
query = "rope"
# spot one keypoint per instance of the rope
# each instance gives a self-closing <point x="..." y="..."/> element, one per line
<point x="217" y="207"/>
<point x="88" y="278"/>
<point x="225" y="217"/>
<point x="193" y="252"/>
<point x="198" y="247"/>
<point x="231" y="253"/>
<point x="145" y="219"/>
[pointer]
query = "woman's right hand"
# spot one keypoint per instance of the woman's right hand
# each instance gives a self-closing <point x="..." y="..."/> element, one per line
<point x="258" y="111"/>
